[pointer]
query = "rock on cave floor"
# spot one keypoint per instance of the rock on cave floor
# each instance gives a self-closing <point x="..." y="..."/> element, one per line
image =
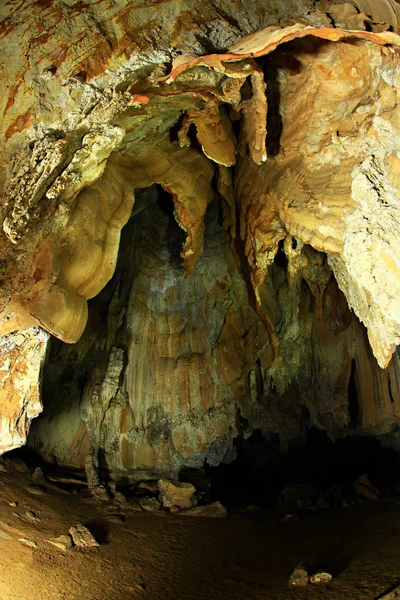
<point x="158" y="556"/>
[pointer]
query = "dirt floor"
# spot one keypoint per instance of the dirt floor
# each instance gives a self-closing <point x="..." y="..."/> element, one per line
<point x="159" y="556"/>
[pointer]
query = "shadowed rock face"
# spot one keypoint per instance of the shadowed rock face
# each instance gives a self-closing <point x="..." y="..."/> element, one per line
<point x="170" y="369"/>
<point x="283" y="126"/>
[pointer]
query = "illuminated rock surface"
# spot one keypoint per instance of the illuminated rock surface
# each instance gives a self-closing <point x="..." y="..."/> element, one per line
<point x="22" y="356"/>
<point x="267" y="139"/>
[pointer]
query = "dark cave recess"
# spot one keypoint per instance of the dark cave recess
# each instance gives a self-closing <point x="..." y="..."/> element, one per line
<point x="261" y="473"/>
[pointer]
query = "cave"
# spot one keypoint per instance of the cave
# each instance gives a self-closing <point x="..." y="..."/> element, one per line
<point x="200" y="299"/>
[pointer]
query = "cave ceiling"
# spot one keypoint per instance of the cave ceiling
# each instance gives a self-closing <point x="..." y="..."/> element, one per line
<point x="287" y="113"/>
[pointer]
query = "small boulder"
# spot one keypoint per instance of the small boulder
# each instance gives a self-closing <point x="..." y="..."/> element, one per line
<point x="35" y="490"/>
<point x="363" y="487"/>
<point x="82" y="537"/>
<point x="100" y="493"/>
<point x="177" y="493"/>
<point x="29" y="543"/>
<point x="62" y="542"/>
<point x="289" y="517"/>
<point x="346" y="502"/>
<point x="300" y="495"/>
<point x="38" y="475"/>
<point x="299" y="577"/>
<point x="149" y="504"/>
<point x="148" y="486"/>
<point x="119" y="498"/>
<point x="30" y="516"/>
<point x="321" y="577"/>
<point x="213" y="511"/>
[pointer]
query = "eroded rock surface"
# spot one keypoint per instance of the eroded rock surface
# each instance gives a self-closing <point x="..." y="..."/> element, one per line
<point x="177" y="494"/>
<point x="62" y="542"/>
<point x="171" y="368"/>
<point x="82" y="537"/>
<point x="77" y="183"/>
<point x="274" y="130"/>
<point x="22" y="356"/>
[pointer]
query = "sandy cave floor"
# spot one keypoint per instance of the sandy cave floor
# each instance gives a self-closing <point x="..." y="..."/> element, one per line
<point x="158" y="556"/>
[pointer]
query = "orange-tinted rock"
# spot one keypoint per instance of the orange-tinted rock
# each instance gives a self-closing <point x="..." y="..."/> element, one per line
<point x="214" y="132"/>
<point x="71" y="168"/>
<point x="22" y="358"/>
<point x="289" y="195"/>
<point x="176" y="494"/>
<point x="296" y="128"/>
<point x="192" y="364"/>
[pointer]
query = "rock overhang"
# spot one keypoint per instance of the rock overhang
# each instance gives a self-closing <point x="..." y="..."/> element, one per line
<point x="70" y="186"/>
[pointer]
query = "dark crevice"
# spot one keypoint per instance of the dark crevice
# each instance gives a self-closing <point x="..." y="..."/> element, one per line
<point x="173" y="132"/>
<point x="259" y="378"/>
<point x="354" y="408"/>
<point x="272" y="65"/>
<point x="274" y="119"/>
<point x="281" y="260"/>
<point x="262" y="470"/>
<point x="390" y="389"/>
<point x="306" y="293"/>
<point x="175" y="236"/>
<point x="192" y="135"/>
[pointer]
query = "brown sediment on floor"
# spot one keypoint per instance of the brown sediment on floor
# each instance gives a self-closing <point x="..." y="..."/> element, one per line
<point x="160" y="555"/>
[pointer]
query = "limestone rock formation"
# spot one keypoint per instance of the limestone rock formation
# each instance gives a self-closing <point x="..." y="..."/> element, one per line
<point x="82" y="537"/>
<point x="170" y="369"/>
<point x="22" y="356"/>
<point x="275" y="132"/>
<point x="176" y="494"/>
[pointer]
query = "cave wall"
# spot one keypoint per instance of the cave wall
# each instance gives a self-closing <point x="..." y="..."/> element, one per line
<point x="284" y="121"/>
<point x="22" y="358"/>
<point x="72" y="129"/>
<point x="171" y="369"/>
